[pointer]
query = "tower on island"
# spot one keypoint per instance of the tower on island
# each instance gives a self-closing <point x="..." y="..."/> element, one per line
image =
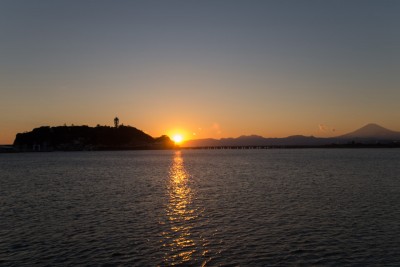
<point x="116" y="122"/>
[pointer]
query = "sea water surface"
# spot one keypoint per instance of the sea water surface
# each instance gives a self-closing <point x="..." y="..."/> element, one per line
<point x="319" y="207"/>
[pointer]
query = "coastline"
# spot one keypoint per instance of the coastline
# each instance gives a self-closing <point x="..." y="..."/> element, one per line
<point x="11" y="149"/>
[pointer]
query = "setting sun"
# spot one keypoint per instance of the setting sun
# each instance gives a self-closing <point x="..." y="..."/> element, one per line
<point x="177" y="138"/>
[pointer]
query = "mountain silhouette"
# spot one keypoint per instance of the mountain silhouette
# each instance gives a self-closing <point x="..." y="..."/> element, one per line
<point x="254" y="140"/>
<point x="369" y="134"/>
<point x="373" y="131"/>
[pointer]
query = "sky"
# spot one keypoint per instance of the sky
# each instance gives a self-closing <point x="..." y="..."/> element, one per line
<point x="204" y="69"/>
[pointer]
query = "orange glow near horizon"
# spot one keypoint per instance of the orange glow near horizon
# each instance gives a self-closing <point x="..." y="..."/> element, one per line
<point x="177" y="138"/>
<point x="178" y="134"/>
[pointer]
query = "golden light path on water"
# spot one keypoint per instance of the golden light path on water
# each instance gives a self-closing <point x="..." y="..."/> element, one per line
<point x="182" y="247"/>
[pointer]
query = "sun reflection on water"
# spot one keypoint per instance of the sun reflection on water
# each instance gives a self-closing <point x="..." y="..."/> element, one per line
<point x="181" y="245"/>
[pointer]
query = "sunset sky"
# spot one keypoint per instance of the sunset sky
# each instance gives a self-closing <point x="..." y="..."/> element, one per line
<point x="200" y="68"/>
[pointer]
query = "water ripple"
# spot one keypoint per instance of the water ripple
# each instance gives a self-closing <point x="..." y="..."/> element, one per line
<point x="194" y="208"/>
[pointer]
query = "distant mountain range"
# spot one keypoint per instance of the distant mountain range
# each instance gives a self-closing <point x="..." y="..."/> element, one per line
<point x="369" y="134"/>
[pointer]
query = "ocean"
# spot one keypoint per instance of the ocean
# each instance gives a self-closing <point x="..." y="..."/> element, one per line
<point x="276" y="207"/>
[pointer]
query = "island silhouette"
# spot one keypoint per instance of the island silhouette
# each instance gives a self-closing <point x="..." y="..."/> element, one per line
<point x="78" y="138"/>
<point x="120" y="137"/>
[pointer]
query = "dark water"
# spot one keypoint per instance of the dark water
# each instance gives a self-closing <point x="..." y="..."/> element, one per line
<point x="236" y="208"/>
